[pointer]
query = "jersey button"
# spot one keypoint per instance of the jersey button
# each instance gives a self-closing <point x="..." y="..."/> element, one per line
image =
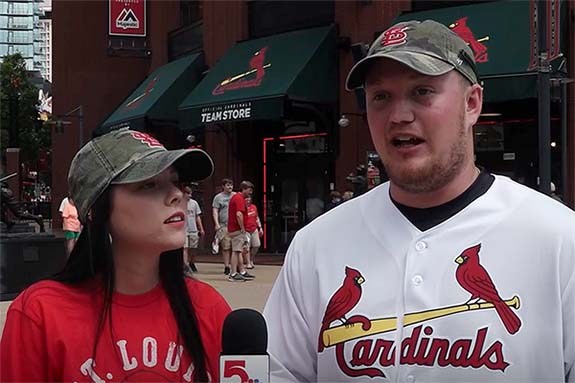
<point x="420" y="246"/>
<point x="410" y="379"/>
<point x="417" y="280"/>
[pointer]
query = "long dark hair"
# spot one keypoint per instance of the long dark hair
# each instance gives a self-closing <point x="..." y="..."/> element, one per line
<point x="92" y="258"/>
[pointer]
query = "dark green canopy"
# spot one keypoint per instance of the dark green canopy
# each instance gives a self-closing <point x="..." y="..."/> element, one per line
<point x="256" y="78"/>
<point x="500" y="35"/>
<point x="158" y="96"/>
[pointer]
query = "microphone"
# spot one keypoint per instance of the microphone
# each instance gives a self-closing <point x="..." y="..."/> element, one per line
<point x="244" y="357"/>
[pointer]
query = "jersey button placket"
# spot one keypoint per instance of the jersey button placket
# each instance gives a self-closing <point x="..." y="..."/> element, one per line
<point x="417" y="280"/>
<point x="420" y="246"/>
<point x="410" y="379"/>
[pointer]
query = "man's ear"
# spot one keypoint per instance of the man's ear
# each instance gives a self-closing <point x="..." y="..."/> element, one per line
<point x="473" y="104"/>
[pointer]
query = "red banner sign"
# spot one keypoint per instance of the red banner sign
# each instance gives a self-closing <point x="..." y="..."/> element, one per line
<point x="127" y="18"/>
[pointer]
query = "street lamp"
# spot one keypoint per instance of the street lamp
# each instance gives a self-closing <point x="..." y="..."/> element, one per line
<point x="77" y="112"/>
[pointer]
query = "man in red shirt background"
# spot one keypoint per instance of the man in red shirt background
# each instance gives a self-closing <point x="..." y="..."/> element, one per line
<point x="237" y="212"/>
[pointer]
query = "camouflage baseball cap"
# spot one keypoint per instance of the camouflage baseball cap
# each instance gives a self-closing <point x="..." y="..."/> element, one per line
<point x="125" y="156"/>
<point x="427" y="47"/>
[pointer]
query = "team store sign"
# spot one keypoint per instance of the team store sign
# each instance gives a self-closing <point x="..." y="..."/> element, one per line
<point x="230" y="112"/>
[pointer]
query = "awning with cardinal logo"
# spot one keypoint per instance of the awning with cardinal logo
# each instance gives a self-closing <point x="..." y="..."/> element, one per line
<point x="503" y="38"/>
<point x="257" y="79"/>
<point x="158" y="96"/>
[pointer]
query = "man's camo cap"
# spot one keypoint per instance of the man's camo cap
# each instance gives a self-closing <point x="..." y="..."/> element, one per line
<point x="125" y="156"/>
<point x="427" y="47"/>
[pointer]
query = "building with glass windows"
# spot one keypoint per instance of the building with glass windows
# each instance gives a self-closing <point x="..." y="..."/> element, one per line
<point x="44" y="40"/>
<point x="19" y="22"/>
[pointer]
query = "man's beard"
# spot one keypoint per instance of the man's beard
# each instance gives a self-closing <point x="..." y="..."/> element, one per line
<point x="434" y="175"/>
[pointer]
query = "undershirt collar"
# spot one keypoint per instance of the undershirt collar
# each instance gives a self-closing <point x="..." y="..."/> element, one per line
<point x="427" y="218"/>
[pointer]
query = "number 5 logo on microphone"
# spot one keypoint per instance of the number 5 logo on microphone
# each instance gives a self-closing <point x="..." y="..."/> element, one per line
<point x="249" y="369"/>
<point x="236" y="368"/>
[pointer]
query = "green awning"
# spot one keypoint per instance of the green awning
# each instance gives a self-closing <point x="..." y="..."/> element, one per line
<point x="255" y="78"/>
<point x="498" y="33"/>
<point x="501" y="36"/>
<point x="158" y="96"/>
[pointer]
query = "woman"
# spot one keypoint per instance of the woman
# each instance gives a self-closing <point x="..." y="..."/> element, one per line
<point x="121" y="310"/>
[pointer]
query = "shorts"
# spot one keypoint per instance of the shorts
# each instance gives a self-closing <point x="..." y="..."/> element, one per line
<point x="192" y="240"/>
<point x="239" y="241"/>
<point x="71" y="234"/>
<point x="254" y="238"/>
<point x="225" y="241"/>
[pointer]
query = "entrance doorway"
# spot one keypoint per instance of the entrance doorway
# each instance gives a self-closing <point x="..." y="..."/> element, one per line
<point x="297" y="182"/>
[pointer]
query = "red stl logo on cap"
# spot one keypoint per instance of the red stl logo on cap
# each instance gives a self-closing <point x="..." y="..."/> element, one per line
<point x="146" y="139"/>
<point x="394" y="36"/>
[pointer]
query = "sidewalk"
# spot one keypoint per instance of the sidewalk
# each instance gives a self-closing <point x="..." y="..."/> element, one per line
<point x="252" y="294"/>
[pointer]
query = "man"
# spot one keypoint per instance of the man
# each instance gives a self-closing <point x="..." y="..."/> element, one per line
<point x="194" y="230"/>
<point x="453" y="274"/>
<point x="237" y="232"/>
<point x="254" y="231"/>
<point x="220" y="216"/>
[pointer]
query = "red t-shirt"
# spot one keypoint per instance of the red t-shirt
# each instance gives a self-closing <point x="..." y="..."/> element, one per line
<point x="251" y="219"/>
<point x="237" y="203"/>
<point x="50" y="330"/>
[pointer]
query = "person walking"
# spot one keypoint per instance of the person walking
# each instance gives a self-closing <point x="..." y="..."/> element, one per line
<point x="254" y="232"/>
<point x="194" y="230"/>
<point x="237" y="232"/>
<point x="452" y="274"/>
<point x="220" y="206"/>
<point x="71" y="225"/>
<point x="121" y="309"/>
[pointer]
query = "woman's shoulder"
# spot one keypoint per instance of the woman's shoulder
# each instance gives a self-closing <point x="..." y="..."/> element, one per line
<point x="204" y="296"/>
<point x="49" y="295"/>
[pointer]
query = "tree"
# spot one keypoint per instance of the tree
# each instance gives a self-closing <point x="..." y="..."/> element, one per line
<point x="18" y="110"/>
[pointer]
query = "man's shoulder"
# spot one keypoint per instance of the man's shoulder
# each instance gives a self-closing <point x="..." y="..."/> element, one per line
<point x="533" y="206"/>
<point x="192" y="204"/>
<point x="237" y="197"/>
<point x="220" y="198"/>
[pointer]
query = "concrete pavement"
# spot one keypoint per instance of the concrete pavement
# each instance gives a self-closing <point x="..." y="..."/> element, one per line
<point x="252" y="294"/>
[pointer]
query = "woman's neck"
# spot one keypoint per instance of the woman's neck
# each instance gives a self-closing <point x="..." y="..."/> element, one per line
<point x="136" y="271"/>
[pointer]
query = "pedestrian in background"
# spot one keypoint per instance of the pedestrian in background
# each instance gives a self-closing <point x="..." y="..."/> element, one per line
<point x="194" y="230"/>
<point x="62" y="204"/>
<point x="71" y="225"/>
<point x="334" y="199"/>
<point x="220" y="206"/>
<point x="237" y="213"/>
<point x="121" y="309"/>
<point x="254" y="232"/>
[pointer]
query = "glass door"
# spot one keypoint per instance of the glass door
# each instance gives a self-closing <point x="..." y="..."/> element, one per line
<point x="297" y="187"/>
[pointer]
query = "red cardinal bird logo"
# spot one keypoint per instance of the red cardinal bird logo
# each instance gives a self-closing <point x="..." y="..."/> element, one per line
<point x="240" y="81"/>
<point x="344" y="299"/>
<point x="479" y="50"/>
<point x="474" y="278"/>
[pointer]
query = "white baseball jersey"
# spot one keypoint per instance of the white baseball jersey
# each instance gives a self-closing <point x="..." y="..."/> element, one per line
<point x="488" y="295"/>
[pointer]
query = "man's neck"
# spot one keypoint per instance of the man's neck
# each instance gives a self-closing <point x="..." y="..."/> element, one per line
<point x="437" y="197"/>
